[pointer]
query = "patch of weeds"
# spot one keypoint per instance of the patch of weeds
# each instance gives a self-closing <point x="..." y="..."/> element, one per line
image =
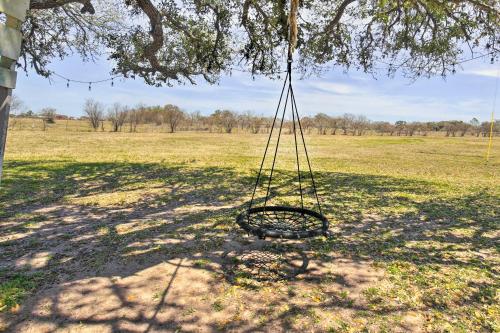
<point x="487" y="294"/>
<point x="156" y="296"/>
<point x="292" y="291"/>
<point x="263" y="319"/>
<point x="316" y="295"/>
<point x="65" y="236"/>
<point x="201" y="263"/>
<point x="30" y="221"/>
<point x="340" y="327"/>
<point x="16" y="288"/>
<point x="373" y="296"/>
<point x="109" y="235"/>
<point x="33" y="243"/>
<point x="343" y="299"/>
<point x="217" y="306"/>
<point x="243" y="280"/>
<point x="189" y="311"/>
<point x="314" y="316"/>
<point x="344" y="294"/>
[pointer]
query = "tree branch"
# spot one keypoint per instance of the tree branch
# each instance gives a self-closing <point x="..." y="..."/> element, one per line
<point x="48" y="4"/>
<point x="340" y="11"/>
<point x="481" y="5"/>
<point x="155" y="20"/>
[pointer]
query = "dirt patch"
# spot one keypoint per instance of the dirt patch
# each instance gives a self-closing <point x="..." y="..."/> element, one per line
<point x="156" y="271"/>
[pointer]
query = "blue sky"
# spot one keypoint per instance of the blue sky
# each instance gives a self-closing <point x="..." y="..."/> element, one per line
<point x="463" y="96"/>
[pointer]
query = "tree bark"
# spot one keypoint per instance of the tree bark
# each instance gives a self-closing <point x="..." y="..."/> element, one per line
<point x="5" y="99"/>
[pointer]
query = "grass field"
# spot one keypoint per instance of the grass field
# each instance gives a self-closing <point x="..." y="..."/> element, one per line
<point x="120" y="232"/>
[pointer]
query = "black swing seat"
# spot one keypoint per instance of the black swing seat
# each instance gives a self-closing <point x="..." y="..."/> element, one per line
<point x="283" y="222"/>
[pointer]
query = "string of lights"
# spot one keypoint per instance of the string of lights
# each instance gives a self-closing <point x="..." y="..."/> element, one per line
<point x="90" y="83"/>
<point x="113" y="78"/>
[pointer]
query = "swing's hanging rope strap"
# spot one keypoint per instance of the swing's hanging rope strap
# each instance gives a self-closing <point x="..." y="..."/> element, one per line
<point x="295" y="117"/>
<point x="294" y="30"/>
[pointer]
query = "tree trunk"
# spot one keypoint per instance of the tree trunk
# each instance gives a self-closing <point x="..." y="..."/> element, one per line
<point x="5" y="100"/>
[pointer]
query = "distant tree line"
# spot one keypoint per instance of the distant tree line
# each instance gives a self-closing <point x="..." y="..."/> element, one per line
<point x="171" y="118"/>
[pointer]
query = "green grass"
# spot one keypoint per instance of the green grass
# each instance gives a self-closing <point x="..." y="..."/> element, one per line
<point x="15" y="289"/>
<point x="424" y="210"/>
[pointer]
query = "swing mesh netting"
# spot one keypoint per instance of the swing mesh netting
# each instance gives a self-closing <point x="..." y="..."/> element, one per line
<point x="283" y="222"/>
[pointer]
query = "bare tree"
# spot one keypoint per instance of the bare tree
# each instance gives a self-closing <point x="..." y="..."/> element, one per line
<point x="307" y="123"/>
<point x="486" y="127"/>
<point x="322" y="122"/>
<point x="452" y="127"/>
<point x="412" y="127"/>
<point x="94" y="112"/>
<point x="400" y="127"/>
<point x="225" y="119"/>
<point x="256" y="124"/>
<point x="48" y="116"/>
<point x="335" y="124"/>
<point x="359" y="124"/>
<point x="117" y="115"/>
<point x="346" y="122"/>
<point x="196" y="120"/>
<point x="17" y="105"/>
<point x="134" y="116"/>
<point x="17" y="108"/>
<point x="383" y="127"/>
<point x="463" y="128"/>
<point x="173" y="116"/>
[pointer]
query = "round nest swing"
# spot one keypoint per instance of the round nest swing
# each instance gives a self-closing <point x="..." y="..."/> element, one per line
<point x="283" y="221"/>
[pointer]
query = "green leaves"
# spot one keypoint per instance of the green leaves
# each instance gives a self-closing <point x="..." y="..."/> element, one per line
<point x="177" y="41"/>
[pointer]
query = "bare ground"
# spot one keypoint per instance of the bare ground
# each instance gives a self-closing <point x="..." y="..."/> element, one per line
<point x="165" y="269"/>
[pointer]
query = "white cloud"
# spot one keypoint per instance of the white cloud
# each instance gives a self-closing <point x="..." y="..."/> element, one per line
<point x="330" y="87"/>
<point x="489" y="72"/>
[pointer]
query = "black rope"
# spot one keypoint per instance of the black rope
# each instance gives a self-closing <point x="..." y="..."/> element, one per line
<point x="268" y="141"/>
<point x="296" y="150"/>
<point x="295" y="118"/>
<point x="305" y="150"/>
<point x="277" y="145"/>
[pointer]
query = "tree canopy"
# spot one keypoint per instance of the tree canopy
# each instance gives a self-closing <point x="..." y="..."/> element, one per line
<point x="175" y="41"/>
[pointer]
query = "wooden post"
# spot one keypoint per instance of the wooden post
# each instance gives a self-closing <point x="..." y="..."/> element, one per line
<point x="4" y="122"/>
<point x="10" y="48"/>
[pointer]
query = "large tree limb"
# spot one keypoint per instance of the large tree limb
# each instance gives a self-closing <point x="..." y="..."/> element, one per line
<point x="48" y="4"/>
<point x="340" y="12"/>
<point x="155" y="20"/>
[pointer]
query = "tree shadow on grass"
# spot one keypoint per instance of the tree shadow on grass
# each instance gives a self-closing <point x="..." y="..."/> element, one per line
<point x="98" y="261"/>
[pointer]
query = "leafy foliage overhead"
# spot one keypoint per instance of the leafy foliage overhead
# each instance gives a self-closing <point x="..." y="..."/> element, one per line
<point x="171" y="41"/>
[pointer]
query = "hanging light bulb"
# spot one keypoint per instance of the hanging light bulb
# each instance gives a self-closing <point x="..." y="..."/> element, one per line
<point x="112" y="82"/>
<point x="67" y="84"/>
<point x="454" y="70"/>
<point x="90" y="86"/>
